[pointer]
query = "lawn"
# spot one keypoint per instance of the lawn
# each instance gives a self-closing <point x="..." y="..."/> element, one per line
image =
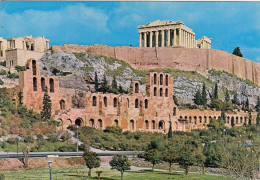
<point x="81" y="173"/>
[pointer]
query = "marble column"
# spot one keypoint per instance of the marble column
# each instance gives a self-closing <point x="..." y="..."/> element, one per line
<point x="174" y="37"/>
<point x="151" y="38"/>
<point x="162" y="43"/>
<point x="145" y="39"/>
<point x="168" y="38"/>
<point x="180" y="37"/>
<point x="140" y="39"/>
<point x="156" y="38"/>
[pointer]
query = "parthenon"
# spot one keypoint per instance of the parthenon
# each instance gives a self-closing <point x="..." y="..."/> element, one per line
<point x="169" y="34"/>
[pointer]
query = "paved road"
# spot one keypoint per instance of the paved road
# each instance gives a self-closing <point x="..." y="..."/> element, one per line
<point x="7" y="155"/>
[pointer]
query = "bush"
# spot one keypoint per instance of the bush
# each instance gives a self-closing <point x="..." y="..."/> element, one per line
<point x="1" y="82"/>
<point x="13" y="76"/>
<point x="113" y="129"/>
<point x="20" y="68"/>
<point x="3" y="63"/>
<point x="11" y="140"/>
<point x="2" y="176"/>
<point x="3" y="72"/>
<point x="67" y="148"/>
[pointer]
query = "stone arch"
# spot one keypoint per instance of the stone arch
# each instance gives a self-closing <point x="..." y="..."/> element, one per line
<point x="166" y="79"/>
<point x="166" y="92"/>
<point x="132" y="125"/>
<point x="210" y="119"/>
<point x="100" y="124"/>
<point x="79" y="122"/>
<point x="105" y="101"/>
<point x="236" y="120"/>
<point x="34" y="84"/>
<point x="195" y="119"/>
<point x="186" y="118"/>
<point x="241" y="120"/>
<point x="94" y="101"/>
<point x="174" y="111"/>
<point x="92" y="123"/>
<point x="145" y="103"/>
<point x="153" y="124"/>
<point x="115" y="102"/>
<point x="161" y="92"/>
<point x="154" y="91"/>
<point x="161" y="124"/>
<point x="205" y="119"/>
<point x="61" y="123"/>
<point x="154" y="78"/>
<point x="161" y="79"/>
<point x="136" y="103"/>
<point x="116" y="122"/>
<point x="146" y="124"/>
<point x="43" y="84"/>
<point x="70" y="121"/>
<point x="190" y="119"/>
<point x="228" y="119"/>
<point x="127" y="102"/>
<point x="136" y="87"/>
<point x="200" y="118"/>
<point x="62" y="104"/>
<point x="34" y="67"/>
<point x="51" y="85"/>
<point x="180" y="117"/>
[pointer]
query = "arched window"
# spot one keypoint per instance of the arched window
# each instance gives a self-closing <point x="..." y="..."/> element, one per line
<point x="161" y="79"/>
<point x="34" y="67"/>
<point x="43" y="83"/>
<point x="91" y="122"/>
<point x="116" y="122"/>
<point x="236" y="120"/>
<point x="190" y="118"/>
<point x="241" y="120"/>
<point x="153" y="124"/>
<point x="228" y="119"/>
<point x="127" y="102"/>
<point x="136" y="103"/>
<point x="115" y="102"/>
<point x="145" y="103"/>
<point x="136" y="88"/>
<point x="195" y="120"/>
<point x="132" y="125"/>
<point x="94" y="101"/>
<point x="200" y="119"/>
<point x="155" y="91"/>
<point x="105" y="101"/>
<point x="146" y="124"/>
<point x="154" y="78"/>
<point x="79" y="122"/>
<point x="35" y="84"/>
<point x="166" y="80"/>
<point x="161" y="92"/>
<point x="100" y="125"/>
<point x="174" y="111"/>
<point x="166" y="92"/>
<point x="161" y="125"/>
<point x="62" y="104"/>
<point x="205" y="119"/>
<point x="51" y="85"/>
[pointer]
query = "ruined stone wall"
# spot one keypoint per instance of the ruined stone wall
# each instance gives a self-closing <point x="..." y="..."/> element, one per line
<point x="187" y="59"/>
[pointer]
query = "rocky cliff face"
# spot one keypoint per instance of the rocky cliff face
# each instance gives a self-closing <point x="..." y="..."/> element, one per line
<point x="77" y="71"/>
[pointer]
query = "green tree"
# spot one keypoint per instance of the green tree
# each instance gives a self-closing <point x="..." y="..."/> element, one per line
<point x="204" y="95"/>
<point x="247" y="103"/>
<point x="104" y="85"/>
<point x="96" y="81"/>
<point x="215" y="91"/>
<point x="197" y="98"/>
<point x="185" y="160"/>
<point x="200" y="160"/>
<point x="153" y="156"/>
<point x="120" y="163"/>
<point x="223" y="117"/>
<point x="170" y="156"/>
<point x="258" y="119"/>
<point x="232" y="122"/>
<point x="114" y="83"/>
<point x="235" y="99"/>
<point x="257" y="106"/>
<point x="237" y="52"/>
<point x="46" y="106"/>
<point x="249" y="118"/>
<point x="227" y="96"/>
<point x="120" y="89"/>
<point x="92" y="160"/>
<point x="170" y="130"/>
<point x="212" y="151"/>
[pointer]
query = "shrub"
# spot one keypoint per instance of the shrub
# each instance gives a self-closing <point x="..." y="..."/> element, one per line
<point x="20" y="68"/>
<point x="1" y="82"/>
<point x="11" y="140"/>
<point x="67" y="148"/>
<point x="3" y="72"/>
<point x="3" y="63"/>
<point x="113" y="129"/>
<point x="13" y="76"/>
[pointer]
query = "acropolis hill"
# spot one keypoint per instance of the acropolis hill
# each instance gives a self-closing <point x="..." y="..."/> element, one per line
<point x="188" y="59"/>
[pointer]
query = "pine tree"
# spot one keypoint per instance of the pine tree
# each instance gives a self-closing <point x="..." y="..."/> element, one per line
<point x="204" y="95"/>
<point x="114" y="83"/>
<point x="257" y="106"/>
<point x="96" y="81"/>
<point x="197" y="98"/>
<point x="237" y="52"/>
<point x="46" y="108"/>
<point x="227" y="96"/>
<point x="247" y="103"/>
<point x="215" y="91"/>
<point x="104" y="85"/>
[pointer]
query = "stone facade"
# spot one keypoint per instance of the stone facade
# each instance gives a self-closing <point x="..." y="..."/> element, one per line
<point x="16" y="51"/>
<point x="170" y="34"/>
<point x="199" y="60"/>
<point x="152" y="110"/>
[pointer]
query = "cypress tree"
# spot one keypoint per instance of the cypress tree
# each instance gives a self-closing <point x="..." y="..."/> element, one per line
<point x="197" y="98"/>
<point x="247" y="103"/>
<point x="227" y="96"/>
<point x="249" y="119"/>
<point x="223" y="117"/>
<point x="215" y="92"/>
<point x="46" y="108"/>
<point x="204" y="95"/>
<point x="104" y="85"/>
<point x="114" y="83"/>
<point x="257" y="106"/>
<point x="96" y="81"/>
<point x="258" y="119"/>
<point x="170" y="129"/>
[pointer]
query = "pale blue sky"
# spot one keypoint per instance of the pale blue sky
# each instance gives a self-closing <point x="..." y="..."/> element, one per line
<point x="229" y="24"/>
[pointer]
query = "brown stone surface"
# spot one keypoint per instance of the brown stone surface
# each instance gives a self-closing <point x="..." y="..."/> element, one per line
<point x="188" y="59"/>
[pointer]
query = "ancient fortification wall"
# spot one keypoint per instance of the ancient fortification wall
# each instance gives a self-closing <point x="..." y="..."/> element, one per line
<point x="187" y="59"/>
